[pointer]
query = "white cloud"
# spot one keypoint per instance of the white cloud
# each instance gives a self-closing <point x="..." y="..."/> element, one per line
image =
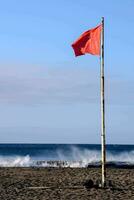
<point x="21" y="84"/>
<point x="38" y="85"/>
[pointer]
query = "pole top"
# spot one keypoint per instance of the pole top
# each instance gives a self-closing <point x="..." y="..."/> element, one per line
<point x="102" y="21"/>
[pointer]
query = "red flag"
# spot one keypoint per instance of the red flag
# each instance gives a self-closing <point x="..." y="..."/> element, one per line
<point x="88" y="42"/>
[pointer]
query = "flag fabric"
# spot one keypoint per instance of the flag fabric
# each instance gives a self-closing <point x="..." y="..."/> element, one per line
<point x="88" y="42"/>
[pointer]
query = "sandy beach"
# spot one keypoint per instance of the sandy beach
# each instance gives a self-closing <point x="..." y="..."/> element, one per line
<point x="63" y="183"/>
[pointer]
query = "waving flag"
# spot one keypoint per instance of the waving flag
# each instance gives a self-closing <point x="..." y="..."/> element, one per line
<point x="88" y="42"/>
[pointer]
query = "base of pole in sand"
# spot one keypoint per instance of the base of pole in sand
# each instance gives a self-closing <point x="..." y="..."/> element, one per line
<point x="97" y="184"/>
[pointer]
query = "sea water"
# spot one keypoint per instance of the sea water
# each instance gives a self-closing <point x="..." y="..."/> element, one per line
<point x="63" y="155"/>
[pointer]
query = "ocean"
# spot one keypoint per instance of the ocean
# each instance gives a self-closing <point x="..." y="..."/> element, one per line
<point x="63" y="155"/>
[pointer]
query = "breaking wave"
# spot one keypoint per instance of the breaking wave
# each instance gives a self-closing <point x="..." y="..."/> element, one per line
<point x="15" y="161"/>
<point x="75" y="157"/>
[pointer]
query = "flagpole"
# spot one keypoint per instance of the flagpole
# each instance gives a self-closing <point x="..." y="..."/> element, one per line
<point x="103" y="146"/>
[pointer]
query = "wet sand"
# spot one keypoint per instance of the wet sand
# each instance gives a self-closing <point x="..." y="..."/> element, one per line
<point x="63" y="183"/>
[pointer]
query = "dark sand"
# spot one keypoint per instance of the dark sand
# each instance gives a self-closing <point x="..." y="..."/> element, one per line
<point x="63" y="183"/>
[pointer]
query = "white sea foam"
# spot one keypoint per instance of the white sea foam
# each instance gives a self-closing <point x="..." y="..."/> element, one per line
<point x="81" y="158"/>
<point x="84" y="157"/>
<point x="127" y="157"/>
<point x="15" y="161"/>
<point x="74" y="158"/>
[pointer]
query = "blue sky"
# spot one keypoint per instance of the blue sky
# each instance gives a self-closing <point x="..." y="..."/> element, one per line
<point x="49" y="96"/>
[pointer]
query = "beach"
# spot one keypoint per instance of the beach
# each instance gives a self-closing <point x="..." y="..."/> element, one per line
<point x="32" y="183"/>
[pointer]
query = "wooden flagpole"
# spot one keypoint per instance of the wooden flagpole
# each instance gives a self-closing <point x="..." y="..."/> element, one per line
<point x="103" y="146"/>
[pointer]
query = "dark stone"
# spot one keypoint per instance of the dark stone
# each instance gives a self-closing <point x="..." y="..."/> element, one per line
<point x="89" y="184"/>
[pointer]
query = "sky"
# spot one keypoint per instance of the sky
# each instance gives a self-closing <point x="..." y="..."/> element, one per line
<point x="47" y="95"/>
